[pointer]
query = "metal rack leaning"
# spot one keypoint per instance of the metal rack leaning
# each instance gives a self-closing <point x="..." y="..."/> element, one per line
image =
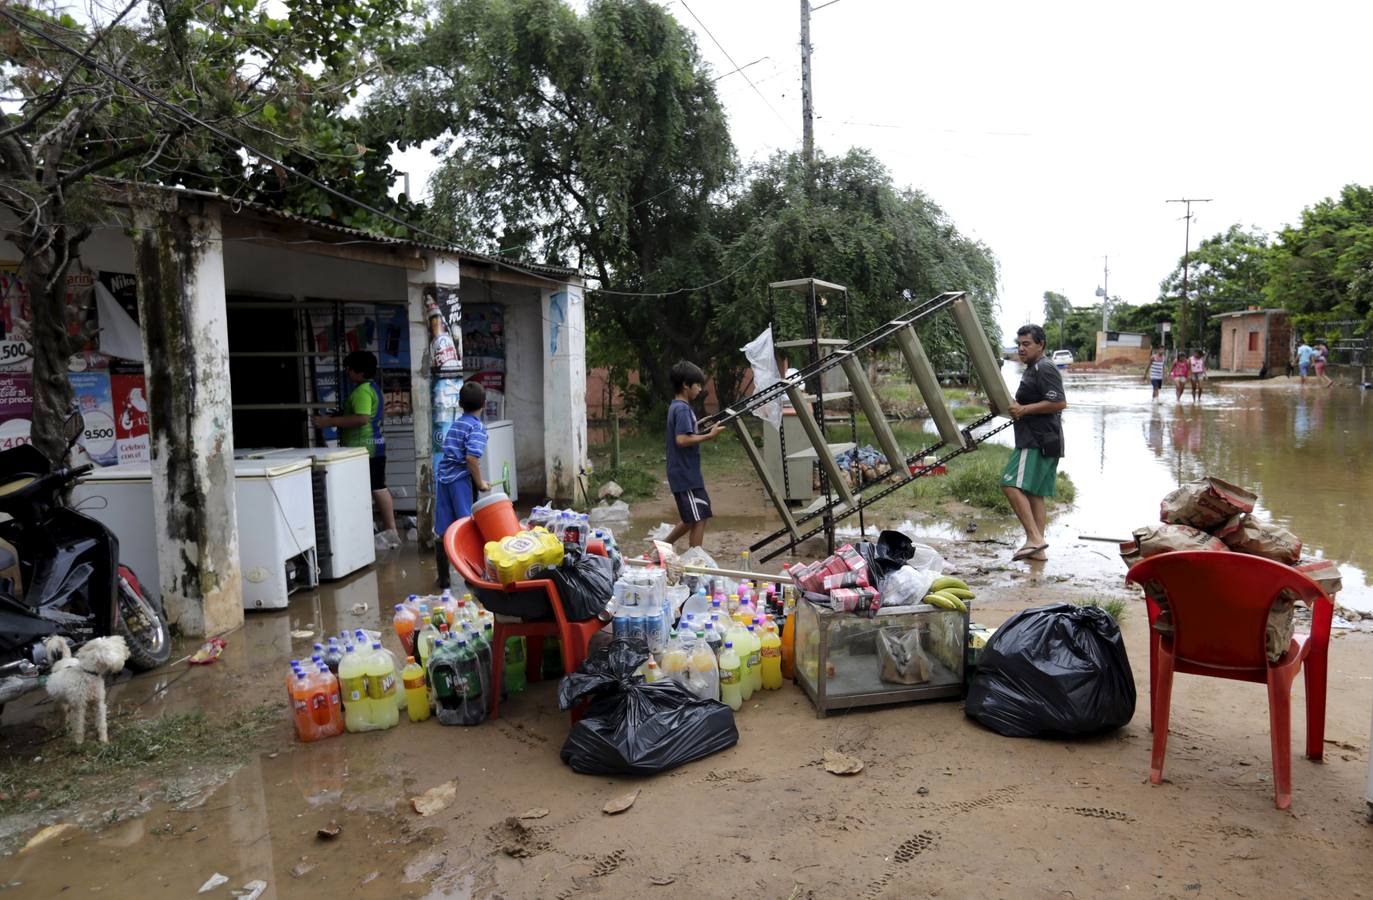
<point x="831" y="509"/>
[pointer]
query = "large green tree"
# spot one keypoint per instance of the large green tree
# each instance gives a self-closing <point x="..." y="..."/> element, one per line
<point x="1226" y="272"/>
<point x="890" y="246"/>
<point x="79" y="115"/>
<point x="1323" y="267"/>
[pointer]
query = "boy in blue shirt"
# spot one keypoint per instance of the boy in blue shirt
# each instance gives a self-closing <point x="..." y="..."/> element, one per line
<point x="459" y="476"/>
<point x="684" y="454"/>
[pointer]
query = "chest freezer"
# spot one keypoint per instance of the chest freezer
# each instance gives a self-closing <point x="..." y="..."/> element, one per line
<point x="498" y="462"/>
<point x="341" y="481"/>
<point x="276" y="527"/>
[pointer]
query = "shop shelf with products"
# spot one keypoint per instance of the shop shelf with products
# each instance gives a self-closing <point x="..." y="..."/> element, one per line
<point x="841" y="663"/>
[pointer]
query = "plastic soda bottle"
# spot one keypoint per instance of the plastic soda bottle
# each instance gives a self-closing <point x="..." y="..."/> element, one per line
<point x="403" y="621"/>
<point x="675" y="660"/>
<point x="705" y="670"/>
<point x="443" y="676"/>
<point x="334" y="705"/>
<point x="424" y="640"/>
<point x="470" y="684"/>
<point x="772" y="658"/>
<point x="352" y="678"/>
<point x="299" y="694"/>
<point x="382" y="687"/>
<point x="742" y="645"/>
<point x="515" y="678"/>
<point x="653" y="674"/>
<point x="755" y="659"/>
<point x="715" y="637"/>
<point x="416" y="692"/>
<point x="333" y="655"/>
<point x="730" y="677"/>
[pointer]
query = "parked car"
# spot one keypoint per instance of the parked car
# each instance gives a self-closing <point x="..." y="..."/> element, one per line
<point x="1062" y="358"/>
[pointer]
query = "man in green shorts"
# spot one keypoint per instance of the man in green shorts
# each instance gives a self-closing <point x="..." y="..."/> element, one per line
<point x="1029" y="475"/>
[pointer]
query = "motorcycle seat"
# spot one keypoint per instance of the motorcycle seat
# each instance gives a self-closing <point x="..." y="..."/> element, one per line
<point x="17" y="484"/>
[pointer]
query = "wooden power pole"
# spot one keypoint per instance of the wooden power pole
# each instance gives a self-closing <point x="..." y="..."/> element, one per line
<point x="1180" y="338"/>
<point x="807" y="108"/>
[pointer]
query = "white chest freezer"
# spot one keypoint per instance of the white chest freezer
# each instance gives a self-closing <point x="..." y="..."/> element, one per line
<point x="498" y="463"/>
<point x="342" y="483"/>
<point x="276" y="524"/>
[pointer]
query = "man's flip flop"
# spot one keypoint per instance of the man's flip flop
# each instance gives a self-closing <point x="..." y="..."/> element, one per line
<point x="1027" y="552"/>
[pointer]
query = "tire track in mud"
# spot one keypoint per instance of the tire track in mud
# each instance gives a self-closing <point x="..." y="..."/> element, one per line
<point x="905" y="853"/>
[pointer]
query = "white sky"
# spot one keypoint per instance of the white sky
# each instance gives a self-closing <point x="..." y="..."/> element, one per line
<point x="1054" y="132"/>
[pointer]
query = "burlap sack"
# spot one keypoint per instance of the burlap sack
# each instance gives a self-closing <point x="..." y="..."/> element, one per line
<point x="1259" y="538"/>
<point x="1155" y="539"/>
<point x="1206" y="504"/>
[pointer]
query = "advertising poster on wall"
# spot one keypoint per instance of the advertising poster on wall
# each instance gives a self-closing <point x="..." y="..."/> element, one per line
<point x="95" y="399"/>
<point x="16" y="408"/>
<point x="483" y="338"/>
<point x="130" y="402"/>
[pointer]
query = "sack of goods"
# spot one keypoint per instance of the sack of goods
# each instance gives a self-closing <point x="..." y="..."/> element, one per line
<point x="1057" y="670"/>
<point x="632" y="727"/>
<point x="1211" y="514"/>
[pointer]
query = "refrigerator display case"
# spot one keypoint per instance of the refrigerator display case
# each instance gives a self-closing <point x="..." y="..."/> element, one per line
<point x="901" y="654"/>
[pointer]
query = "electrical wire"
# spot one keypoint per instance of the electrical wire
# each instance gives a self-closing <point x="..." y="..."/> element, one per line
<point x="188" y="116"/>
<point x="740" y="69"/>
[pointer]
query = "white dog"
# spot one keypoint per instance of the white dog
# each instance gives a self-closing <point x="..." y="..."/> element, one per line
<point x="78" y="682"/>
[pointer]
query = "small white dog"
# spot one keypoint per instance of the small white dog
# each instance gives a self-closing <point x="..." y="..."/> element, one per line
<point x="78" y="682"/>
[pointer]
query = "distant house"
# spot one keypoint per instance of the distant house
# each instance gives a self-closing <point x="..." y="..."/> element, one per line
<point x="1122" y="346"/>
<point x="1254" y="341"/>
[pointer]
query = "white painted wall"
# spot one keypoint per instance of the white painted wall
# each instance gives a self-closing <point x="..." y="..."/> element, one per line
<point x="524" y="376"/>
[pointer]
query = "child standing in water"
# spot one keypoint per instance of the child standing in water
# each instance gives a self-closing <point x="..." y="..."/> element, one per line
<point x="1180" y="372"/>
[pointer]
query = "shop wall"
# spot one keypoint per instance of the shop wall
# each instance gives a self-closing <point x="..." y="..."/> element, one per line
<point x="253" y="269"/>
<point x="524" y="373"/>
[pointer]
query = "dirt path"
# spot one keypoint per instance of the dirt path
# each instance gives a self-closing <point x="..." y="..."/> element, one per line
<point x="942" y="808"/>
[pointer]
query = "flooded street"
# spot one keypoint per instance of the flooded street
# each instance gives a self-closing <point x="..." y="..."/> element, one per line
<point x="943" y="807"/>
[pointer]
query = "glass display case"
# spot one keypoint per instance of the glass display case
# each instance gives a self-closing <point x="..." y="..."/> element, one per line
<point x="903" y="653"/>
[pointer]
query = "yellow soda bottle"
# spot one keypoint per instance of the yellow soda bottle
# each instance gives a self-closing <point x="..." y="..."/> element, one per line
<point x="382" y="687"/>
<point x="753" y="665"/>
<point x="772" y="658"/>
<point x="416" y="693"/>
<point x="731" y="678"/>
<point x="352" y="679"/>
<point x="674" y="662"/>
<point x="705" y="670"/>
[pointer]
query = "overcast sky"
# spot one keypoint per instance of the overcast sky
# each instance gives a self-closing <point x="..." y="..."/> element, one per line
<point x="1054" y="132"/>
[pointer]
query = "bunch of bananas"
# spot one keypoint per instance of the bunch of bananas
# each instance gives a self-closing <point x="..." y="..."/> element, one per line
<point x="948" y="592"/>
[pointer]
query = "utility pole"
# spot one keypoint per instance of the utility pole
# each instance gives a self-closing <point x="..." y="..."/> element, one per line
<point x="807" y="109"/>
<point x="1105" y="293"/>
<point x="1180" y="339"/>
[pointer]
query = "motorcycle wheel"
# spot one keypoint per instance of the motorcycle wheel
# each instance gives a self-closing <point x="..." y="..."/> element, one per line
<point x="143" y="627"/>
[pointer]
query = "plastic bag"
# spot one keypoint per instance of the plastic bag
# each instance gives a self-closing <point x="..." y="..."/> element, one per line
<point x="1054" y="670"/>
<point x="900" y="657"/>
<point x="616" y="513"/>
<point x="585" y="582"/>
<point x="635" y="728"/>
<point x="907" y="586"/>
<point x="891" y="551"/>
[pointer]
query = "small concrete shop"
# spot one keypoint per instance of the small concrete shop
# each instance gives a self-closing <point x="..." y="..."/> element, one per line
<point x="1254" y="341"/>
<point x="223" y="326"/>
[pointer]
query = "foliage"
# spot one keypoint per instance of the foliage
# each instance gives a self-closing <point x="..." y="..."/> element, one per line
<point x="279" y="83"/>
<point x="636" y="479"/>
<point x="1225" y="272"/>
<point x="1115" y="607"/>
<point x="1056" y="308"/>
<point x="1325" y="264"/>
<point x="891" y="247"/>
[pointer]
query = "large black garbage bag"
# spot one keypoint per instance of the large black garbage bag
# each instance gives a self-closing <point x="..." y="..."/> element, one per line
<point x="634" y="728"/>
<point x="585" y="582"/>
<point x="1054" y="670"/>
<point x="892" y="551"/>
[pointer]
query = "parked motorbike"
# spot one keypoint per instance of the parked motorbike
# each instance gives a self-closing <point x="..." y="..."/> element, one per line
<point x="70" y="581"/>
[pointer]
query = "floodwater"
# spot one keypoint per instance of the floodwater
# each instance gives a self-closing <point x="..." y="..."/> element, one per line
<point x="1301" y="450"/>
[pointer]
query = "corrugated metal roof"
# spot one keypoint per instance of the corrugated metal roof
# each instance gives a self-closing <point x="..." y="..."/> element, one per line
<point x="1247" y="312"/>
<point x="358" y="233"/>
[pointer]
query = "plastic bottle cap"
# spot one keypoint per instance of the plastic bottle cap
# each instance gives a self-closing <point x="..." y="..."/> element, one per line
<point x="400" y="606"/>
<point x="300" y="674"/>
<point x="348" y="649"/>
<point x="376" y="645"/>
<point x="729" y="643"/>
<point x="409" y="659"/>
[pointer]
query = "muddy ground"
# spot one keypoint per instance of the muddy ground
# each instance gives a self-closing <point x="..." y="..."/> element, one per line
<point x="942" y="807"/>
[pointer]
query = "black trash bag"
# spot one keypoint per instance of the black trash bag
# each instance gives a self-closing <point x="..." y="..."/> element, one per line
<point x="892" y="551"/>
<point x="635" y="728"/>
<point x="585" y="582"/>
<point x="1054" y="670"/>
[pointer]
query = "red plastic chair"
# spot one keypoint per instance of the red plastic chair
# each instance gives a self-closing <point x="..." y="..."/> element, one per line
<point x="1219" y="604"/>
<point x="467" y="552"/>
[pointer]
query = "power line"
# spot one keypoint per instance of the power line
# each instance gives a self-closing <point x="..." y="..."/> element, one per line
<point x="738" y="68"/>
<point x="191" y="117"/>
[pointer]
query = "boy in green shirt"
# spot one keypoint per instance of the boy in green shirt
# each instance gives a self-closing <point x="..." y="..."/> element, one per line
<point x="360" y="426"/>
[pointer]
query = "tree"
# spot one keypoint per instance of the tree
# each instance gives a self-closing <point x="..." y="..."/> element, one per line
<point x="889" y="246"/>
<point x="85" y="113"/>
<point x="1226" y="272"/>
<point x="1056" y="310"/>
<point x="1324" y="266"/>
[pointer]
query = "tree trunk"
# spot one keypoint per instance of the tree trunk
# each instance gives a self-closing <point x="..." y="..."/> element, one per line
<point x="52" y="392"/>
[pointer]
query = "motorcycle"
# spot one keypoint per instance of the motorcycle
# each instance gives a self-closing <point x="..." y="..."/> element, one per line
<point x="73" y="584"/>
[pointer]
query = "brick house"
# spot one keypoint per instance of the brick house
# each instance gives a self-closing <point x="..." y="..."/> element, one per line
<point x="1254" y="341"/>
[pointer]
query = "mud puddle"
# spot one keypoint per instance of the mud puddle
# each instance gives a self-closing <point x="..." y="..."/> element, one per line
<point x="261" y="825"/>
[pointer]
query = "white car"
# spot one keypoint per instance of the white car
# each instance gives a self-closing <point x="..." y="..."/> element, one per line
<point x="1062" y="358"/>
